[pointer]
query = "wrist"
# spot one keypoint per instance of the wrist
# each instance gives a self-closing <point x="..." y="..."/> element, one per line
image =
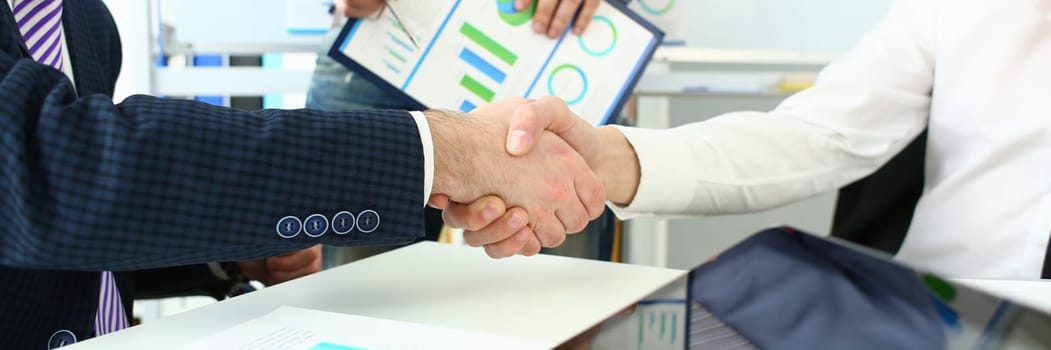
<point x="618" y="166"/>
<point x="450" y="142"/>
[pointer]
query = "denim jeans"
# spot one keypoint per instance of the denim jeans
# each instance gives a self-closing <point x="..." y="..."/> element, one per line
<point x="335" y="88"/>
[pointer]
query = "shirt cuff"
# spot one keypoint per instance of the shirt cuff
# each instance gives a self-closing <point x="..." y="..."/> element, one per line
<point x="664" y="165"/>
<point x="428" y="153"/>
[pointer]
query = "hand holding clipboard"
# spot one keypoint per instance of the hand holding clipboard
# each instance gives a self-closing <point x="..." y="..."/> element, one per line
<point x="473" y="52"/>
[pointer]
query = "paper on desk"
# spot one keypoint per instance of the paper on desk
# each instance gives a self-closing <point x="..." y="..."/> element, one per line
<point x="290" y="328"/>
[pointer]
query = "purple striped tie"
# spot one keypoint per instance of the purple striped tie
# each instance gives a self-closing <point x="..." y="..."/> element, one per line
<point x="110" y="316"/>
<point x="40" y="22"/>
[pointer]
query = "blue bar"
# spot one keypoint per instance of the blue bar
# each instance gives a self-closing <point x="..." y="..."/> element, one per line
<point x="467" y="106"/>
<point x="307" y="31"/>
<point x="392" y="67"/>
<point x="483" y="66"/>
<point x="212" y="100"/>
<point x="400" y="42"/>
<point x="209" y="61"/>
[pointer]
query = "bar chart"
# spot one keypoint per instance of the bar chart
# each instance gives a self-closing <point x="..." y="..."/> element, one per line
<point x="398" y="47"/>
<point x="489" y="61"/>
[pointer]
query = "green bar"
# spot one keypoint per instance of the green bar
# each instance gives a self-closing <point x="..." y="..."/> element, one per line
<point x="395" y="23"/>
<point x="396" y="55"/>
<point x="477" y="88"/>
<point x="488" y="43"/>
<point x="663" y="315"/>
<point x="641" y="332"/>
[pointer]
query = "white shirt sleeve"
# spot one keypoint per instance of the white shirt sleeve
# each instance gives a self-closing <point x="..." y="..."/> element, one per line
<point x="428" y="153"/>
<point x="863" y="109"/>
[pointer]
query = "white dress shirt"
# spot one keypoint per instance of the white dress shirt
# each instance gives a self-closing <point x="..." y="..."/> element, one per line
<point x="421" y="121"/>
<point x="976" y="72"/>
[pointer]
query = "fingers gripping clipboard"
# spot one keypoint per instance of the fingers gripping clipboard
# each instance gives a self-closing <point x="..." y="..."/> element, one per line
<point x="468" y="53"/>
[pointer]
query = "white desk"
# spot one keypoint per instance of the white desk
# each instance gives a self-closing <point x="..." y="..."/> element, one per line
<point x="1035" y="294"/>
<point x="547" y="299"/>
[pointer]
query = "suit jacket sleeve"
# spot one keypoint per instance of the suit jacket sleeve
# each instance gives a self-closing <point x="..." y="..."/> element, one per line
<point x="92" y="185"/>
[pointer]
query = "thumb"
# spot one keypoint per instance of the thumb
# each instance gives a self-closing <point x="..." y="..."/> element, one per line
<point x="547" y="113"/>
<point x="438" y="201"/>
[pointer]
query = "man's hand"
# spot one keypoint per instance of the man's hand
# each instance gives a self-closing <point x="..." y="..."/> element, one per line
<point x="553" y="184"/>
<point x="552" y="16"/>
<point x="605" y="149"/>
<point x="359" y="8"/>
<point x="282" y="268"/>
<point x="487" y="223"/>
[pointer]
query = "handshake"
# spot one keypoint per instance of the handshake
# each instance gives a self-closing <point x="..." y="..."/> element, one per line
<point x="519" y="174"/>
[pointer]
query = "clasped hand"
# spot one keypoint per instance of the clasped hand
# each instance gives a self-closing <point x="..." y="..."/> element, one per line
<point x="538" y="189"/>
<point x="510" y="161"/>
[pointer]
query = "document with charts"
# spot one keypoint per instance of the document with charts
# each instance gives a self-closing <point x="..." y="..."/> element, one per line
<point x="467" y="53"/>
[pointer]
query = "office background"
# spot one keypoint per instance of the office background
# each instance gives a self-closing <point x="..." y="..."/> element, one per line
<point x="222" y="33"/>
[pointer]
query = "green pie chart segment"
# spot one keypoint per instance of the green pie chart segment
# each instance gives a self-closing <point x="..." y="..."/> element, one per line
<point x="512" y="16"/>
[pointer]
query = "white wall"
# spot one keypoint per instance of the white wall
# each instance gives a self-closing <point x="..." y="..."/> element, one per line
<point x="822" y="26"/>
<point x="133" y="22"/>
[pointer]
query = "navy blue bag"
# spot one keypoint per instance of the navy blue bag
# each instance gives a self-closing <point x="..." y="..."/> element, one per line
<point x="783" y="289"/>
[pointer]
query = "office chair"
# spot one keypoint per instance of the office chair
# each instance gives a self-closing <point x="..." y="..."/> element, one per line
<point x="876" y="210"/>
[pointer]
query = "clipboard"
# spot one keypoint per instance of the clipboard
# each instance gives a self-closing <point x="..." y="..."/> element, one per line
<point x="473" y="52"/>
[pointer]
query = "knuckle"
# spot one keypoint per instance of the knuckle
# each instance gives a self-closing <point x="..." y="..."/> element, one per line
<point x="471" y="238"/>
<point x="551" y="237"/>
<point x="449" y="219"/>
<point x="474" y="223"/>
<point x="557" y="240"/>
<point x="579" y="222"/>
<point x="596" y="202"/>
<point x="535" y="249"/>
<point x="496" y="251"/>
<point x="580" y="225"/>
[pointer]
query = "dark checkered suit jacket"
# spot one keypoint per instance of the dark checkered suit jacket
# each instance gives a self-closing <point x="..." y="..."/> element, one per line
<point x="89" y="185"/>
